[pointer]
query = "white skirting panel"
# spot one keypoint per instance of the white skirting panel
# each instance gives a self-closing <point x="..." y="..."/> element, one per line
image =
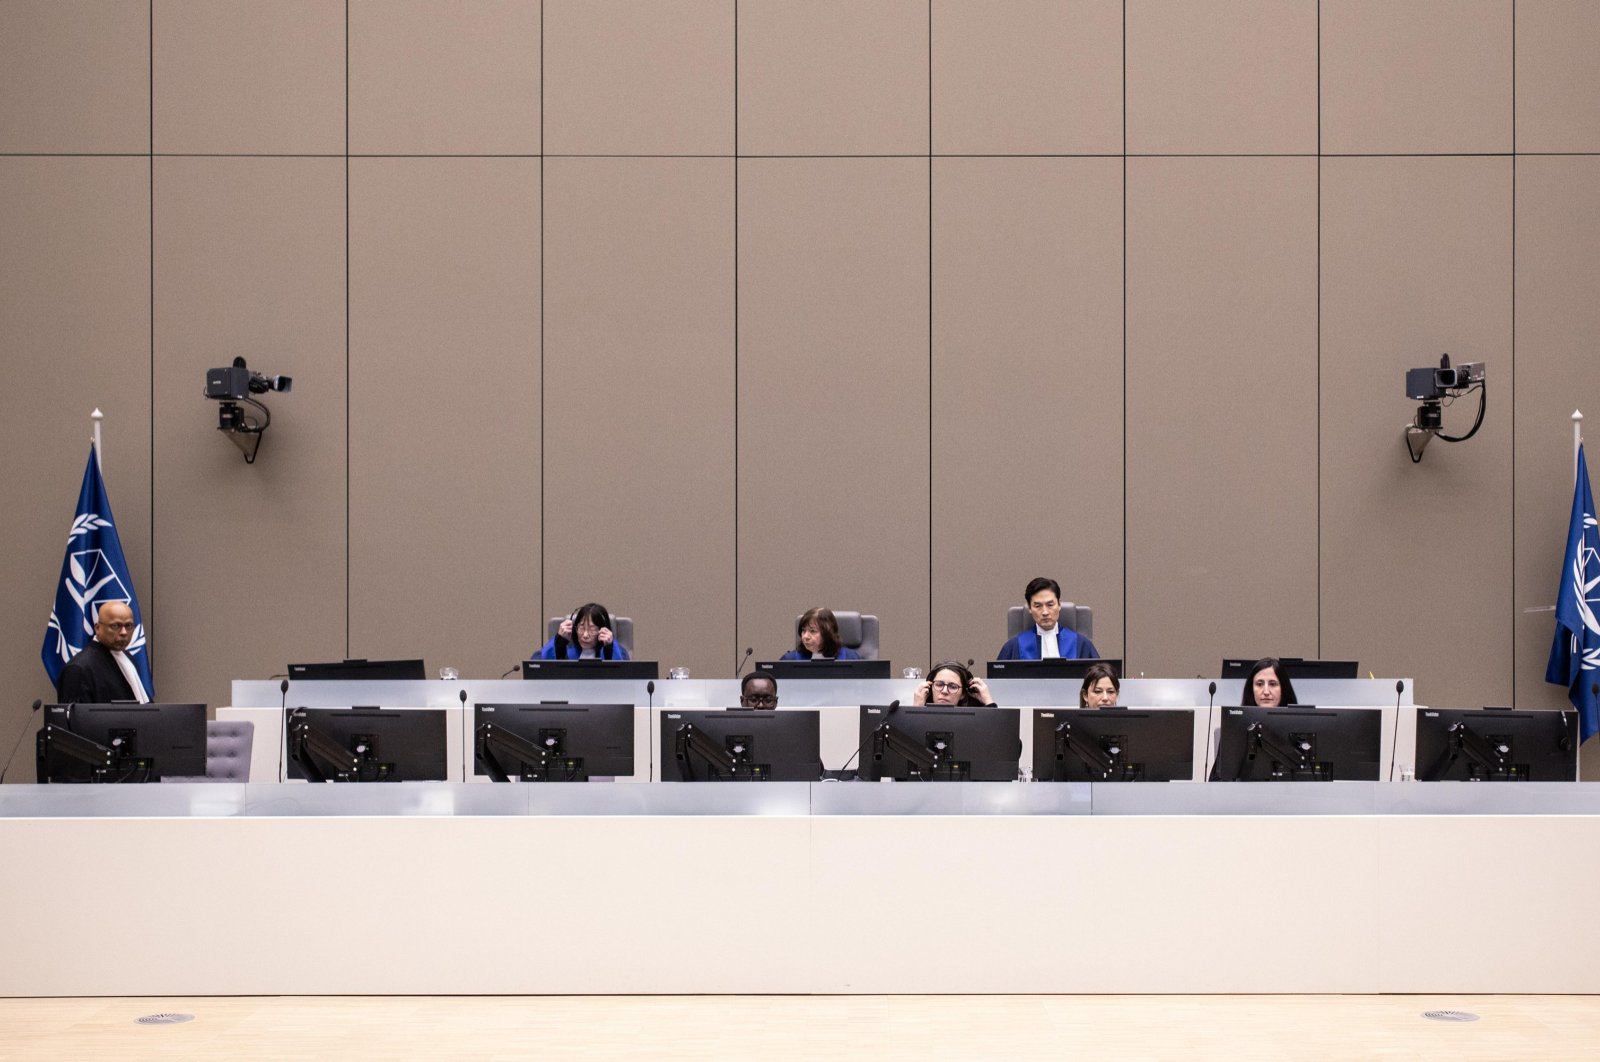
<point x="790" y="891"/>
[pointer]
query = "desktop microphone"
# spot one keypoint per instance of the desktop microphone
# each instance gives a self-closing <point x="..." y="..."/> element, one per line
<point x="894" y="706"/>
<point x="743" y="661"/>
<point x="1210" y="723"/>
<point x="283" y="688"/>
<point x="36" y="704"/>
<point x="650" y="696"/>
<point x="512" y="668"/>
<point x="1394" y="742"/>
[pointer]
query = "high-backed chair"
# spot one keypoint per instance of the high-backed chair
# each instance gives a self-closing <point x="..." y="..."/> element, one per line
<point x="621" y="629"/>
<point x="1078" y="618"/>
<point x="858" y="631"/>
<point x="228" y="744"/>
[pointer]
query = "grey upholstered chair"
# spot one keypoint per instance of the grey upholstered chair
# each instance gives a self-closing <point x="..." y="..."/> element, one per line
<point x="857" y="630"/>
<point x="621" y="627"/>
<point x="228" y="744"/>
<point x="1079" y="618"/>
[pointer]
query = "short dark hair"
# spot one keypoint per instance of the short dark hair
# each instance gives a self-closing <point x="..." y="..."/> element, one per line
<point x="1093" y="674"/>
<point x="827" y="626"/>
<point x="1276" y="665"/>
<point x="1041" y="583"/>
<point x="744" y="683"/>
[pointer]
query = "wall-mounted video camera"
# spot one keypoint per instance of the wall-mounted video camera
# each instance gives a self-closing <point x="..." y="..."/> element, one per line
<point x="1436" y="388"/>
<point x="232" y="385"/>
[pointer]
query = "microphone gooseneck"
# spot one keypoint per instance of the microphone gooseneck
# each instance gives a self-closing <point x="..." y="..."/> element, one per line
<point x="512" y="668"/>
<point x="1394" y="740"/>
<point x="743" y="661"/>
<point x="37" y="703"/>
<point x="650" y="695"/>
<point x="283" y="689"/>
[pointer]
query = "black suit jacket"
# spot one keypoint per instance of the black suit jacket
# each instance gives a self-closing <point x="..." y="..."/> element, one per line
<point x="92" y="677"/>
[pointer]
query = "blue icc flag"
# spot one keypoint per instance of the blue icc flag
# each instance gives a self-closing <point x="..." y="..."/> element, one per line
<point x="93" y="572"/>
<point x="1575" y="655"/>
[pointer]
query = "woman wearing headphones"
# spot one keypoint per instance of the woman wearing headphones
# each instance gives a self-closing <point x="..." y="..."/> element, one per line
<point x="951" y="683"/>
<point x="584" y="635"/>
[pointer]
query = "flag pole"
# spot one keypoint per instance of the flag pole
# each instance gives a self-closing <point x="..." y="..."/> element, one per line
<point x="99" y="454"/>
<point x="1578" y="439"/>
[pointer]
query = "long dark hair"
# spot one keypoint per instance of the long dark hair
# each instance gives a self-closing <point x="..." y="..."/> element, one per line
<point x="827" y="626"/>
<point x="1092" y="675"/>
<point x="965" y="673"/>
<point x="595" y="613"/>
<point x="1249" y="698"/>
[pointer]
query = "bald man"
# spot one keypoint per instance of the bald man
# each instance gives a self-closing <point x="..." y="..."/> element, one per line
<point x="101" y="671"/>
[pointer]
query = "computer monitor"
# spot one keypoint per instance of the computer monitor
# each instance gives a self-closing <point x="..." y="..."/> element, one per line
<point x="1299" y="743"/>
<point x="824" y="669"/>
<point x="939" y="743"/>
<point x="1237" y="667"/>
<point x="1054" y="668"/>
<point x="1113" y="745"/>
<point x="121" y="742"/>
<point x="366" y="744"/>
<point x="740" y="745"/>
<point x="358" y="670"/>
<point x="634" y="670"/>
<point x="553" y="742"/>
<point x="1496" y="745"/>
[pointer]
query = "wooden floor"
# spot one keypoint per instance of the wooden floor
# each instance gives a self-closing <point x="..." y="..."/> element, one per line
<point x="771" y="1028"/>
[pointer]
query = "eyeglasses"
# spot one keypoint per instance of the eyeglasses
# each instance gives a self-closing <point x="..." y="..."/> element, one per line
<point x="116" y="626"/>
<point x="762" y="700"/>
<point x="946" y="687"/>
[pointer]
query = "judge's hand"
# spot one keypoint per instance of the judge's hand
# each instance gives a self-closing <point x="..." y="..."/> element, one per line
<point x="979" y="690"/>
<point x="565" y="630"/>
<point x="605" y="635"/>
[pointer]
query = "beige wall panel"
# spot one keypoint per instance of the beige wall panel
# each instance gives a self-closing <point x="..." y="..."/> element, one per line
<point x="1558" y="80"/>
<point x="75" y="76"/>
<point x="1416" y="559"/>
<point x="1558" y="333"/>
<point x="1420" y="77"/>
<point x="1222" y="76"/>
<point x="833" y="398"/>
<point x="639" y="400"/>
<point x="1221" y="379"/>
<point x="250" y="559"/>
<point x="639" y="77"/>
<point x="444" y="77"/>
<point x="1027" y="77"/>
<point x="833" y="77"/>
<point x="1027" y="393"/>
<point x="242" y="77"/>
<point x="75" y="310"/>
<point x="444" y="410"/>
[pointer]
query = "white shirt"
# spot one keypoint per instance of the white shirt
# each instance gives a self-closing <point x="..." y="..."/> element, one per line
<point x="1048" y="649"/>
<point x="130" y="673"/>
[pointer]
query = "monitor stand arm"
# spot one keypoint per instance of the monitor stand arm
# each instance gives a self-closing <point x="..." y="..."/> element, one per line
<point x="497" y="742"/>
<point x="1259" y="738"/>
<point x="322" y="758"/>
<point x="77" y="747"/>
<point x="1093" y="757"/>
<point x="1463" y="740"/>
<point x="690" y="740"/>
<point x="887" y="737"/>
